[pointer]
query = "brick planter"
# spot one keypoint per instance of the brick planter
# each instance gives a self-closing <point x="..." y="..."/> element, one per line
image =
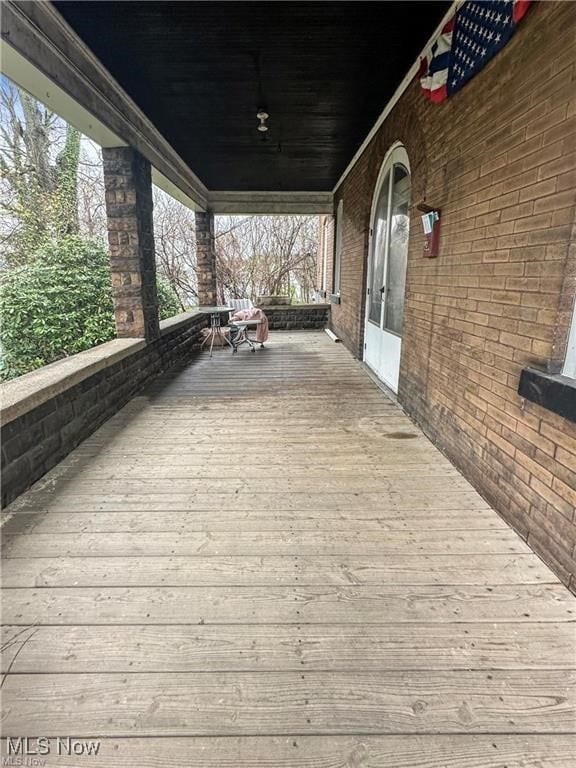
<point x="297" y="317"/>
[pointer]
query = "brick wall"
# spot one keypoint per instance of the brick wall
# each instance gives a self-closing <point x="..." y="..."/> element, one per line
<point x="499" y="158"/>
<point x="37" y="440"/>
<point x="297" y="317"/>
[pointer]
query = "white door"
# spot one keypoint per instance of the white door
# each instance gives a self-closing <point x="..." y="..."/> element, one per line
<point x="388" y="253"/>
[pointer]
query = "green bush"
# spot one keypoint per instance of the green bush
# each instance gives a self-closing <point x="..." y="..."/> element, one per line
<point x="60" y="304"/>
<point x="168" y="302"/>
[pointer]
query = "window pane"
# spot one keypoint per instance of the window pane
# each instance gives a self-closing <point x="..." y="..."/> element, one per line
<point x="378" y="250"/>
<point x="338" y="246"/>
<point x="570" y="361"/>
<point x="398" y="253"/>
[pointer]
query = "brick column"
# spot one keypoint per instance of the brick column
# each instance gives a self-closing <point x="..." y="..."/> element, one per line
<point x="128" y="184"/>
<point x="206" y="259"/>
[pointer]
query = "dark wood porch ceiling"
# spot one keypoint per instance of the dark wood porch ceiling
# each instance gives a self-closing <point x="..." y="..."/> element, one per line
<point x="200" y="71"/>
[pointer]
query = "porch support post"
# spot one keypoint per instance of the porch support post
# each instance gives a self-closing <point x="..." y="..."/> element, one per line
<point x="128" y="184"/>
<point x="206" y="259"/>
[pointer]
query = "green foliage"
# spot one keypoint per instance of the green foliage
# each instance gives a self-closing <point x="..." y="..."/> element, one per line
<point x="60" y="303"/>
<point x="66" y="192"/>
<point x="168" y="301"/>
<point x="55" y="306"/>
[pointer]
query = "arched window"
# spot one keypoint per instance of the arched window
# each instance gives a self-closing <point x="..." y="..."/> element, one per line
<point x="390" y="245"/>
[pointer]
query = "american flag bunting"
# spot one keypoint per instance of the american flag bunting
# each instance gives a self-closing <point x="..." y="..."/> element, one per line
<point x="469" y="39"/>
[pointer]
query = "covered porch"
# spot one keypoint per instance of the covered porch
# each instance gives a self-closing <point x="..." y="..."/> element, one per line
<point x="261" y="560"/>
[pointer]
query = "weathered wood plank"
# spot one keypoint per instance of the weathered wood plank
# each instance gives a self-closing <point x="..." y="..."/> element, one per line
<point x="288" y="570"/>
<point x="381" y="430"/>
<point x="278" y="486"/>
<point x="238" y="439"/>
<point x="288" y="702"/>
<point x="177" y="466"/>
<point x="245" y="520"/>
<point x="258" y="502"/>
<point x="297" y="751"/>
<point x="231" y="439"/>
<point x="362" y="420"/>
<point x="344" y="458"/>
<point x="203" y="444"/>
<point x="173" y="648"/>
<point x="275" y="542"/>
<point x="292" y="605"/>
<point x="219" y="446"/>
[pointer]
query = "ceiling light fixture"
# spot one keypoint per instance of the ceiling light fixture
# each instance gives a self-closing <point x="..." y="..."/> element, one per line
<point x="262" y="116"/>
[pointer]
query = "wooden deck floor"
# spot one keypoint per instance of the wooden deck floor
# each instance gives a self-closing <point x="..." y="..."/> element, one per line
<point x="262" y="562"/>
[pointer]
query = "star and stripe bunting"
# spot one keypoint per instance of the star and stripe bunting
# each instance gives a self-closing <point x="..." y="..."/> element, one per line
<point x="469" y="39"/>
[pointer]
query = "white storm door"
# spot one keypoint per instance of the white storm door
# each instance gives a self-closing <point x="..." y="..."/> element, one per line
<point x="387" y="269"/>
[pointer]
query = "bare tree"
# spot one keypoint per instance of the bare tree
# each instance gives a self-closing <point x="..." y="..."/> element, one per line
<point x="267" y="255"/>
<point x="39" y="156"/>
<point x="175" y="241"/>
<point x="90" y="190"/>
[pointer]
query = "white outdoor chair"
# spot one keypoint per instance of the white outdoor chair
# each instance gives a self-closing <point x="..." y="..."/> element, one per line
<point x="237" y="304"/>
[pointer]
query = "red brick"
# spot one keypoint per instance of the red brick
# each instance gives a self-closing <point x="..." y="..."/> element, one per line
<point x="541" y="189"/>
<point x="545" y="122"/>
<point x="567" y="458"/>
<point x="516" y="212"/>
<point x="554" y="499"/>
<point x="556" y="437"/>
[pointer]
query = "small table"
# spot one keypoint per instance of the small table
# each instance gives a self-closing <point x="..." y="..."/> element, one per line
<point x="215" y="325"/>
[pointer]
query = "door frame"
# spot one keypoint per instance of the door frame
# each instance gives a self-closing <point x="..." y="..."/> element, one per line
<point x="375" y="196"/>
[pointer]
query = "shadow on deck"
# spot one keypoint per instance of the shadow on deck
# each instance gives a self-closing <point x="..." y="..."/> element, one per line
<point x="261" y="561"/>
